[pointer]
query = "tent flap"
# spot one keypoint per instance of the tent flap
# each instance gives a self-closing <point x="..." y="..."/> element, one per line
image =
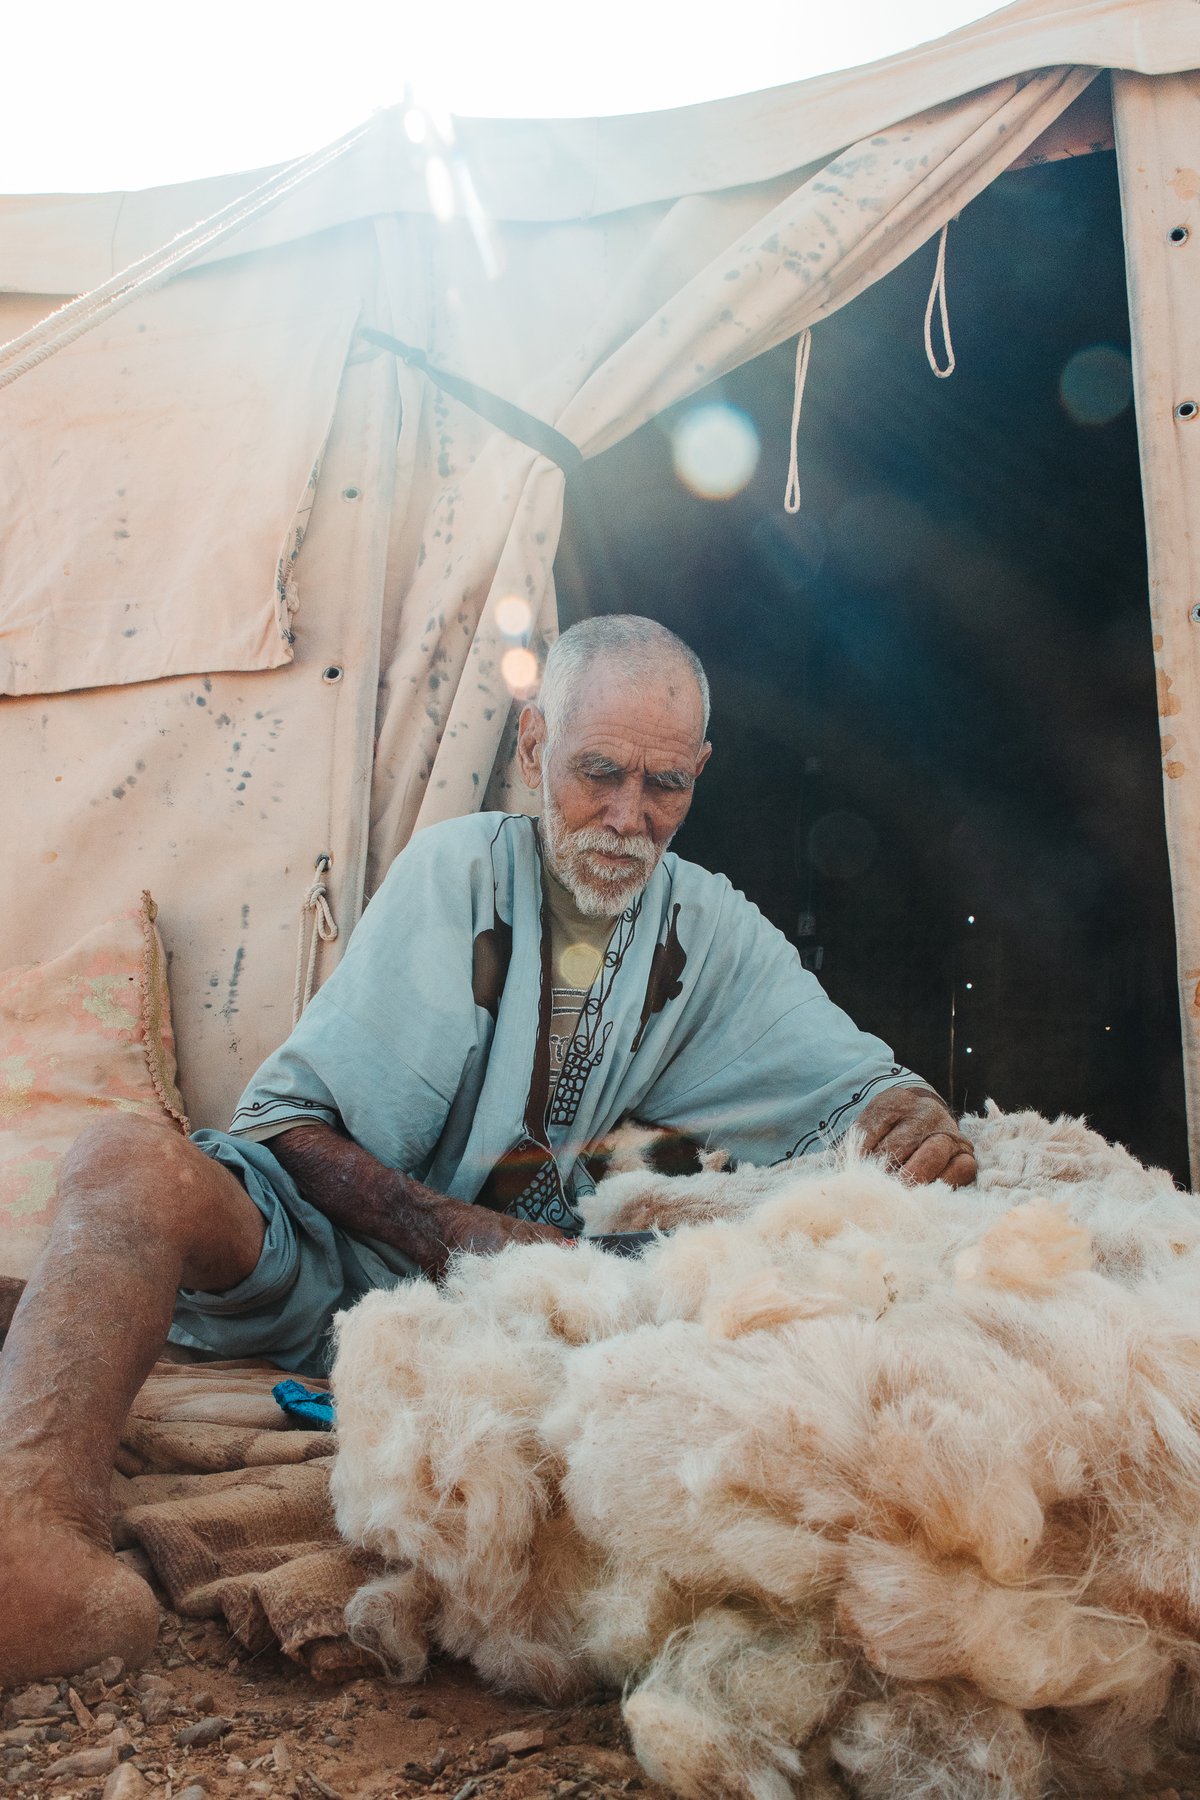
<point x="156" y="477"/>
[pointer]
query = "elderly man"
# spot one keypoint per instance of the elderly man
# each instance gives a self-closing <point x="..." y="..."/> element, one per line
<point x="513" y="991"/>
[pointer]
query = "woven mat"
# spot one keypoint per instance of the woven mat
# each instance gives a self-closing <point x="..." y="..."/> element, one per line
<point x="230" y="1502"/>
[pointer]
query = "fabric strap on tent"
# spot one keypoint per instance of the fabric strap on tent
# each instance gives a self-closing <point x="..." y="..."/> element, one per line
<point x="513" y="420"/>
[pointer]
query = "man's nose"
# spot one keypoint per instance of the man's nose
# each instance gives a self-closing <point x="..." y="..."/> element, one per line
<point x="623" y="813"/>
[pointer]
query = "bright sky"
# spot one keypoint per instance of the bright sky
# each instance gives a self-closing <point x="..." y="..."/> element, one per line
<point x="142" y="92"/>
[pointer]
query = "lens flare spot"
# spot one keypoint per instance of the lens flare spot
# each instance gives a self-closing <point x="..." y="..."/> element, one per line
<point x="520" y="671"/>
<point x="579" y="965"/>
<point x="514" y="616"/>
<point x="439" y="185"/>
<point x="1096" y="385"/>
<point x="715" y="450"/>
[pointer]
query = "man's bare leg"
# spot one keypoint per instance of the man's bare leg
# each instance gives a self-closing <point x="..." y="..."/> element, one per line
<point x="141" y="1212"/>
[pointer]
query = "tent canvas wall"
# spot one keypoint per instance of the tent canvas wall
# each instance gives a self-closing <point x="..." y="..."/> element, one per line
<point x="251" y="563"/>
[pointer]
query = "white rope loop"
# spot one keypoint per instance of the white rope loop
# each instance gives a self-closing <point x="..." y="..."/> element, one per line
<point x="937" y="293"/>
<point x="78" y="316"/>
<point x="791" y="494"/>
<point x="317" y="926"/>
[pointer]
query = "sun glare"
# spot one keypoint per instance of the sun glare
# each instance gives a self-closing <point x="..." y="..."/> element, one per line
<point x="147" y="94"/>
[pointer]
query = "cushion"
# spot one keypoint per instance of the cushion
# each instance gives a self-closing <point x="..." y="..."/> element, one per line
<point x="88" y="1033"/>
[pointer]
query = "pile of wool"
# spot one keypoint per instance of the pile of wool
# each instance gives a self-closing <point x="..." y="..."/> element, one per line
<point x="849" y="1484"/>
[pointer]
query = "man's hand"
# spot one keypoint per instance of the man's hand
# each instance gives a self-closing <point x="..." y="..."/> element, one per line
<point x="917" y="1136"/>
<point x="358" y="1193"/>
<point x="479" y="1229"/>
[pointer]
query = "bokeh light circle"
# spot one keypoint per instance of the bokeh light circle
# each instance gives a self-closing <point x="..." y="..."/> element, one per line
<point x="514" y="616"/>
<point x="715" y="449"/>
<point x="520" y="671"/>
<point x="1096" y="385"/>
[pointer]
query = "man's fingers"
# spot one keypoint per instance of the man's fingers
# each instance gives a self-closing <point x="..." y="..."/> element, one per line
<point x="929" y="1159"/>
<point x="962" y="1170"/>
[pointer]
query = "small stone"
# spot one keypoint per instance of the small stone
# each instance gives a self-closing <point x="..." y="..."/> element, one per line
<point x="204" y="1731"/>
<point x="235" y="1766"/>
<point x="176" y="1662"/>
<point x="258" y="1787"/>
<point x="518" y="1743"/>
<point x="281" y="1756"/>
<point x="21" y="1736"/>
<point x="22" y="1772"/>
<point x="193" y="1791"/>
<point x="84" y="1762"/>
<point x="34" y="1702"/>
<point x="125" y="1783"/>
<point x="112" y="1670"/>
<point x="157" y="1707"/>
<point x="418" y="1712"/>
<point x="152" y="1684"/>
<point x="202" y="1703"/>
<point x="107" y="1709"/>
<point x="451" y="1731"/>
<point x="85" y="1718"/>
<point x="439" y="1761"/>
<point x="613" y="1765"/>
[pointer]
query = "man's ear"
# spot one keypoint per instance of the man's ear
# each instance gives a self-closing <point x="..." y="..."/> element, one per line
<point x="705" y="753"/>
<point x="531" y="744"/>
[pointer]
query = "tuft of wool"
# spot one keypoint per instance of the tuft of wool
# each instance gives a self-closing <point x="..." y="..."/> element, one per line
<point x="938" y="1743"/>
<point x="848" y="1483"/>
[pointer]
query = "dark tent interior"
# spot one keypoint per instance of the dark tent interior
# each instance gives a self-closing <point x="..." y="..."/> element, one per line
<point x="937" y="763"/>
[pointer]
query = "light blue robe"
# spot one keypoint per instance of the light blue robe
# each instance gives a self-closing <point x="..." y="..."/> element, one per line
<point x="429" y="1046"/>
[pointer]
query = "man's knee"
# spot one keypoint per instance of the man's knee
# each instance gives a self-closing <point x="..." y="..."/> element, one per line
<point x="128" y="1166"/>
<point x="119" y="1143"/>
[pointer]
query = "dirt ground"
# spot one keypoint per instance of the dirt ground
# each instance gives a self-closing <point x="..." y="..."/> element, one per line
<point x="204" y="1719"/>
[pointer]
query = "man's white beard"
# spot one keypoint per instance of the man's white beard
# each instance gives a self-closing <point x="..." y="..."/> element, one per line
<point x="599" y="892"/>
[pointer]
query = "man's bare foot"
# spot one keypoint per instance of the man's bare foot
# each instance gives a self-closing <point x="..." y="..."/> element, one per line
<point x="67" y="1602"/>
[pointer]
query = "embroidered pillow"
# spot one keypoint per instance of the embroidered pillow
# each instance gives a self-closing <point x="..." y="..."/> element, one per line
<point x="89" y="1032"/>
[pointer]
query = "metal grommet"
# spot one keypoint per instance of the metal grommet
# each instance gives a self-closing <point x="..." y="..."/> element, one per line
<point x="1187" y="409"/>
<point x="1178" y="234"/>
<point x="333" y="673"/>
<point x="1194" y="615"/>
<point x="323" y="862"/>
<point x="351" y="493"/>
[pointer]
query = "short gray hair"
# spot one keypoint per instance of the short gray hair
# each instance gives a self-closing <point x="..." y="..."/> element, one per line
<point x="641" y="646"/>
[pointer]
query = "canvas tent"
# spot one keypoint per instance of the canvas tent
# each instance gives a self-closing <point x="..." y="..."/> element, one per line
<point x="251" y="562"/>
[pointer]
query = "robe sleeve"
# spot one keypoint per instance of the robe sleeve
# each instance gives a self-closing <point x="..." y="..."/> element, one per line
<point x="767" y="1067"/>
<point x="381" y="1049"/>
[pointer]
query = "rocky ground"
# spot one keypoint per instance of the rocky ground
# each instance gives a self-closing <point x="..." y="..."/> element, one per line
<point x="203" y="1721"/>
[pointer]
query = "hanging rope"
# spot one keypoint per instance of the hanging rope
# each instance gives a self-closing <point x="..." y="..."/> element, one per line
<point x="791" y="494"/>
<point x="71" y="321"/>
<point x="315" y="930"/>
<point x="938" y="293"/>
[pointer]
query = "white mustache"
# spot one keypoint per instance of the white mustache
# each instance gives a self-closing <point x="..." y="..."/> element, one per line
<point x="610" y="843"/>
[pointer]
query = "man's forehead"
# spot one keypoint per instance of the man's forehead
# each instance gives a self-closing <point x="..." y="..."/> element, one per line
<point x="659" y="709"/>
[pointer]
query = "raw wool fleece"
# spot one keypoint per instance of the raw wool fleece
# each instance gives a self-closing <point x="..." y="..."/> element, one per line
<point x="842" y="1476"/>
